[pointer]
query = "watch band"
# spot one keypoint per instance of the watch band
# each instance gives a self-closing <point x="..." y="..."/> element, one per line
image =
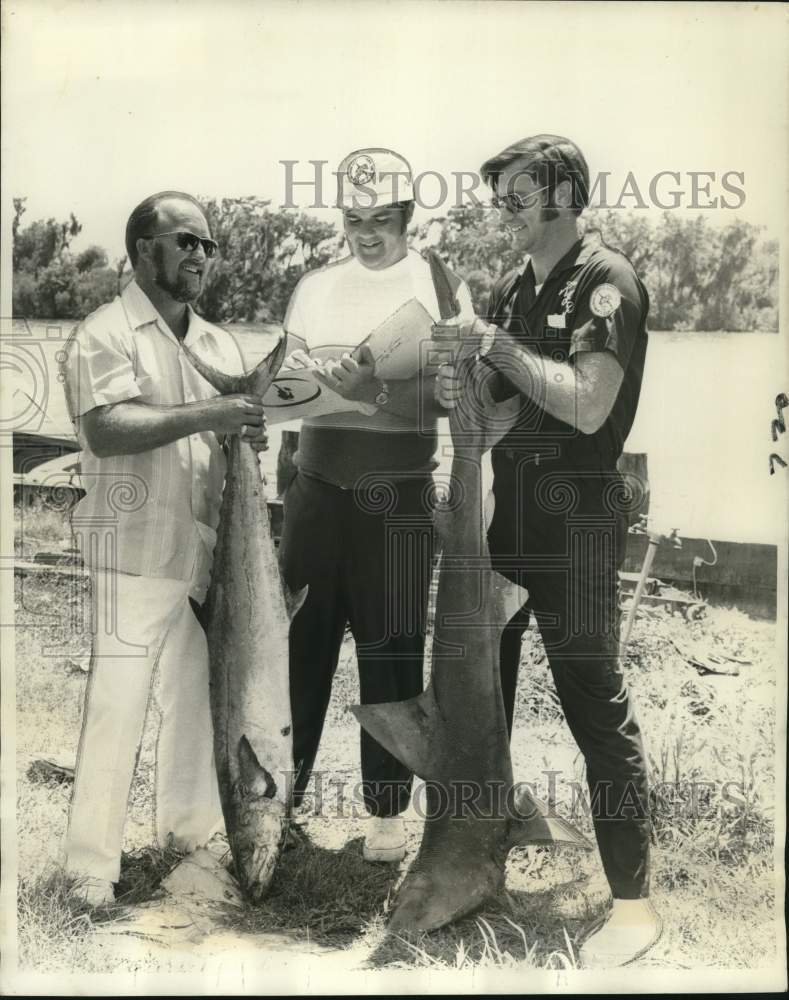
<point x="382" y="397"/>
<point x="486" y="341"/>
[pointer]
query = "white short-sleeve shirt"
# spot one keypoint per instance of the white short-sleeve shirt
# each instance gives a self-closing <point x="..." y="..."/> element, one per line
<point x="154" y="513"/>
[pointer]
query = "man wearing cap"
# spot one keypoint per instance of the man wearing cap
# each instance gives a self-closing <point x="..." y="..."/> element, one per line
<point x="358" y="515"/>
<point x="152" y="463"/>
<point x="567" y="343"/>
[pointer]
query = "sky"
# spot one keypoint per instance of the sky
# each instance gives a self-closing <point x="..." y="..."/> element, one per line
<point x="106" y="101"/>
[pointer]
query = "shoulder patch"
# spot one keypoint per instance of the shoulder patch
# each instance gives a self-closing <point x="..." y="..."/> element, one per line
<point x="605" y="300"/>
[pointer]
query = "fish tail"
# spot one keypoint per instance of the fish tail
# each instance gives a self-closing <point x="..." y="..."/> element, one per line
<point x="261" y="377"/>
<point x="255" y="382"/>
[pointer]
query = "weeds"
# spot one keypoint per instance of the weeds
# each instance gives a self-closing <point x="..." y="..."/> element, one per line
<point x="329" y="896"/>
<point x="713" y="875"/>
<point x="40" y="523"/>
<point x="54" y="927"/>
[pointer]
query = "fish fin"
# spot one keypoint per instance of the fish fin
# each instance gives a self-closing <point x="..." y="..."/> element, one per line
<point x="409" y="730"/>
<point x="255" y="778"/>
<point x="224" y="384"/>
<point x="255" y="382"/>
<point x="448" y="305"/>
<point x="262" y="375"/>
<point x="534" y="822"/>
<point x="294" y="599"/>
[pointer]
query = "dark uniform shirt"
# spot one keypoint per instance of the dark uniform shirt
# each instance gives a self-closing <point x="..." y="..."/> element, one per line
<point x="591" y="301"/>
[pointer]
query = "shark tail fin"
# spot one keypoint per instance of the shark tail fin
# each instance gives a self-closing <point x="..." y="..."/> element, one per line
<point x="534" y="822"/>
<point x="410" y="730"/>
<point x="255" y="382"/>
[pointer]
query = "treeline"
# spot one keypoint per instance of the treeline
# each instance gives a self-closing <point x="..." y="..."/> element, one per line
<point x="263" y="254"/>
<point x="699" y="276"/>
<point x="52" y="282"/>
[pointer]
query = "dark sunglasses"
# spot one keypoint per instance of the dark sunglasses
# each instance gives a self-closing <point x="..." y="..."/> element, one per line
<point x="188" y="241"/>
<point x="517" y="202"/>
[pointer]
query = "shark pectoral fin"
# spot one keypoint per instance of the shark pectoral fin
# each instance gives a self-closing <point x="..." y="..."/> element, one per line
<point x="294" y="599"/>
<point x="257" y="781"/>
<point x="409" y="730"/>
<point x="533" y="822"/>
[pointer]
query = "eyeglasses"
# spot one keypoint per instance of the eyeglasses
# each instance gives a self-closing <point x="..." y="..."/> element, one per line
<point x="188" y="241"/>
<point x="517" y="202"/>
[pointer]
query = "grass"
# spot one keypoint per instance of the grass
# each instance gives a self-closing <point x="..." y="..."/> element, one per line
<point x="322" y="895"/>
<point x="40" y="525"/>
<point x="713" y="872"/>
<point x="58" y="933"/>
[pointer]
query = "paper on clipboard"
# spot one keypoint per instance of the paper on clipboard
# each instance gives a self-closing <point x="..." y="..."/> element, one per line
<point x="297" y="393"/>
<point x="396" y="343"/>
<point x="396" y="348"/>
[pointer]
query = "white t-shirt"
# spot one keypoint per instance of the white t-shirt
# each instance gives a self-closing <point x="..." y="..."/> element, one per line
<point x="336" y="307"/>
<point x="333" y="310"/>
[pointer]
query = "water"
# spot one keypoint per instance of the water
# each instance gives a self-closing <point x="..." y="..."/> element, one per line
<point x="703" y="419"/>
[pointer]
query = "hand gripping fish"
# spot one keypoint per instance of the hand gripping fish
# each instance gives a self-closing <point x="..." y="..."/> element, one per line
<point x="247" y="620"/>
<point x="454" y="735"/>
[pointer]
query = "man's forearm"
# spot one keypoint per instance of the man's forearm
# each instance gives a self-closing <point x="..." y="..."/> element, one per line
<point x="131" y="427"/>
<point x="553" y="385"/>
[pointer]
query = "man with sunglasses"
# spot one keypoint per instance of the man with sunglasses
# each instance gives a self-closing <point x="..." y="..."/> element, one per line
<point x="564" y="352"/>
<point x="358" y="515"/>
<point x="151" y="430"/>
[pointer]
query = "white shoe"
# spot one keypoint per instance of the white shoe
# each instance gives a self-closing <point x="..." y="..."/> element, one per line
<point x="385" y="840"/>
<point x="631" y="928"/>
<point x="94" y="891"/>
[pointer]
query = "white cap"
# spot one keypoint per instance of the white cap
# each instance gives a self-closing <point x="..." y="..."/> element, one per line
<point x="373" y="178"/>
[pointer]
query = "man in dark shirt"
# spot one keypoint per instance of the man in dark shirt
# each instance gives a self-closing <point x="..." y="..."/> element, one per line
<point x="565" y="350"/>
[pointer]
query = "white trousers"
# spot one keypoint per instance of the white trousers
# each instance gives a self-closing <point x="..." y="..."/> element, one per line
<point x="142" y="625"/>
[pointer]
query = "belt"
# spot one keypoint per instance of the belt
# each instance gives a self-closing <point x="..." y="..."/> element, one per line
<point x="549" y="457"/>
<point x="372" y="481"/>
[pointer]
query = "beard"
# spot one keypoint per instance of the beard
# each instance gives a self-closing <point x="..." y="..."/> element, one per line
<point x="182" y="290"/>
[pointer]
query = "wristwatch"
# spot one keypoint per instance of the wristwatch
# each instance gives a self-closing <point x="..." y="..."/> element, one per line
<point x="486" y="341"/>
<point x="382" y="398"/>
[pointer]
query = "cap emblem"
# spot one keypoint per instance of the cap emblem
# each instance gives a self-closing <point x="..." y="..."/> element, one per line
<point x="361" y="170"/>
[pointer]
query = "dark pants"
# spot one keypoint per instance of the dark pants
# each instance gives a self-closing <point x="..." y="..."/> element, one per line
<point x="562" y="536"/>
<point x="366" y="557"/>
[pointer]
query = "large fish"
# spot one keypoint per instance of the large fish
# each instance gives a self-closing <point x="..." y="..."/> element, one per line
<point x="247" y="621"/>
<point x="454" y="735"/>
